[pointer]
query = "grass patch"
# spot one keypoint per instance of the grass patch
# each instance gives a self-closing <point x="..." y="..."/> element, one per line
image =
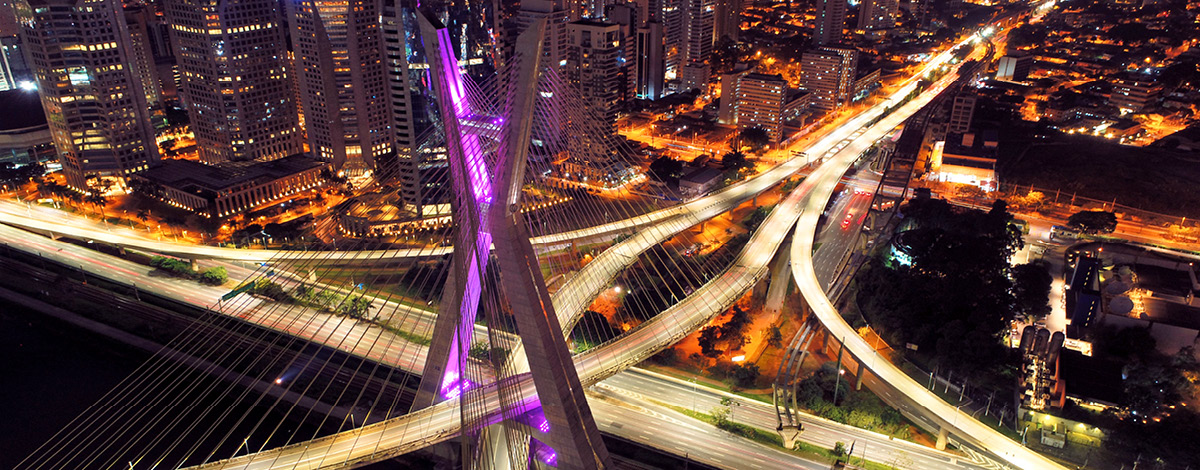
<point x="770" y="438"/>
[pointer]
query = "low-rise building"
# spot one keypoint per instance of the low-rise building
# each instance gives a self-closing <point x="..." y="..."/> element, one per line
<point x="1134" y="92"/>
<point x="700" y="182"/>
<point x="231" y="188"/>
<point x="965" y="159"/>
<point x="24" y="135"/>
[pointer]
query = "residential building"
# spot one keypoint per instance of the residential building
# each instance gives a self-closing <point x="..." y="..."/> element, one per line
<point x="877" y="14"/>
<point x="700" y="181"/>
<point x="594" y="50"/>
<point x="79" y="52"/>
<point x="760" y="103"/>
<point x="727" y="19"/>
<point x="828" y="73"/>
<point x="727" y="111"/>
<point x="831" y="20"/>
<point x="234" y="65"/>
<point x="339" y="58"/>
<point x="961" y="112"/>
<point x="698" y="26"/>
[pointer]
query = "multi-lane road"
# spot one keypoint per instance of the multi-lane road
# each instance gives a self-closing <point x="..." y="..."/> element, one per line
<point x="440" y="422"/>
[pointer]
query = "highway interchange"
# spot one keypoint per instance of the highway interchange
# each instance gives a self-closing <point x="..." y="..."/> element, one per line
<point x="439" y="422"/>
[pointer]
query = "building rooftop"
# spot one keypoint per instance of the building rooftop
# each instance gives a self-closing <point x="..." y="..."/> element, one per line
<point x="1092" y="378"/>
<point x="22" y="110"/>
<point x="206" y="180"/>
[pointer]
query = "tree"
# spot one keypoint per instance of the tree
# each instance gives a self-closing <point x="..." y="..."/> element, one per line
<point x="735" y="160"/>
<point x="708" y="341"/>
<point x="1031" y="288"/>
<point x="666" y="170"/>
<point x="839" y="451"/>
<point x="745" y="374"/>
<point x="1093" y="221"/>
<point x="214" y="276"/>
<point x="97" y="199"/>
<point x="756" y="138"/>
<point x="775" y="340"/>
<point x="142" y="215"/>
<point x="168" y="147"/>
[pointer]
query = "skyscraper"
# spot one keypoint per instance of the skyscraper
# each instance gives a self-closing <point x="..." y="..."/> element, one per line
<point x="649" y="56"/>
<point x="79" y="51"/>
<point x="235" y="78"/>
<point x="877" y="14"/>
<point x="593" y="67"/>
<point x="728" y="19"/>
<point x="828" y="73"/>
<point x="419" y="167"/>
<point x="138" y="19"/>
<point x="343" y="81"/>
<point x="831" y="19"/>
<point x="698" y="31"/>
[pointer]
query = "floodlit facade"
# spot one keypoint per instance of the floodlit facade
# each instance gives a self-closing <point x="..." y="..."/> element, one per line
<point x="80" y="54"/>
<point x="234" y="67"/>
<point x="343" y="81"/>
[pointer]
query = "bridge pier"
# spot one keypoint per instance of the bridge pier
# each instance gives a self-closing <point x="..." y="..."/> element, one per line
<point x="862" y="371"/>
<point x="789" y="435"/>
<point x="192" y="261"/>
<point x="943" y="438"/>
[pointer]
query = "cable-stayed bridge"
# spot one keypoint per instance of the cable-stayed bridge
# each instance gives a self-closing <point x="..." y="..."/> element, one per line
<point x="396" y="432"/>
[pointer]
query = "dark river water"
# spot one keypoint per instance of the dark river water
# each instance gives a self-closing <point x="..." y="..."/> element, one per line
<point x="50" y="372"/>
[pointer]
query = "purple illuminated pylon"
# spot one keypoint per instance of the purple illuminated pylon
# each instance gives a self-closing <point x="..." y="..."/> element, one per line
<point x="481" y="188"/>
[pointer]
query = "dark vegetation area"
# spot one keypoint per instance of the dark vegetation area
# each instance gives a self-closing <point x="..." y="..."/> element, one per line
<point x="954" y="302"/>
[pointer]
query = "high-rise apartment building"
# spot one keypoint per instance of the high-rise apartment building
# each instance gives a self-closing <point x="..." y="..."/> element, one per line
<point x="727" y="19"/>
<point x="831" y="19"/>
<point x="727" y="111"/>
<point x="760" y="100"/>
<point x="339" y="50"/>
<point x="80" y="53"/>
<point x="593" y="66"/>
<point x="960" y="113"/>
<point x="828" y="73"/>
<point x="698" y="28"/>
<point x="877" y="14"/>
<point x="625" y="16"/>
<point x="233" y="60"/>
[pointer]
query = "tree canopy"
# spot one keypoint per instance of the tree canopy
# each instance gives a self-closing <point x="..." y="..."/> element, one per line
<point x="955" y="299"/>
<point x="1093" y="221"/>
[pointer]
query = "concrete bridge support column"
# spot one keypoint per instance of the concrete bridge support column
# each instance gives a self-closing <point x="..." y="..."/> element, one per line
<point x="789" y="435"/>
<point x="942" y="439"/>
<point x="862" y="372"/>
<point x="193" y="263"/>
